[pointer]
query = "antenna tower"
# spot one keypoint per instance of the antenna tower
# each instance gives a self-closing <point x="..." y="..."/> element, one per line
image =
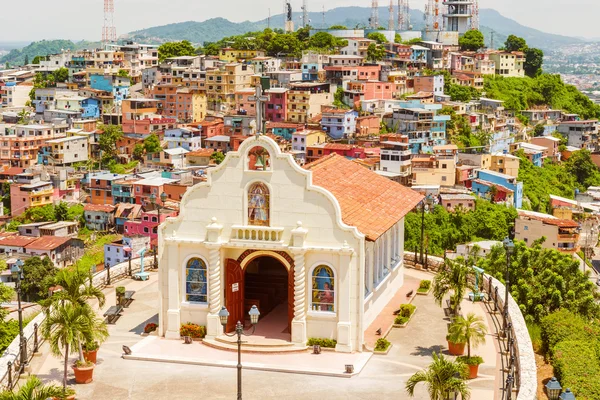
<point x="475" y="15"/>
<point x="324" y="16"/>
<point x="437" y="16"/>
<point x="391" y="18"/>
<point x="305" y="20"/>
<point x="374" y="20"/>
<point x="403" y="15"/>
<point x="109" y="32"/>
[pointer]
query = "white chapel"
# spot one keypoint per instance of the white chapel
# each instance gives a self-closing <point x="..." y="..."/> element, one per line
<point x="318" y="249"/>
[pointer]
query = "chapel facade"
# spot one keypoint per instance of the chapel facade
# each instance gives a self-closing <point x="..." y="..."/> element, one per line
<point x="319" y="249"/>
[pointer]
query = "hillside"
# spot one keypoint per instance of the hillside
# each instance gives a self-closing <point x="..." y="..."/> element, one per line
<point x="42" y="48"/>
<point x="353" y="17"/>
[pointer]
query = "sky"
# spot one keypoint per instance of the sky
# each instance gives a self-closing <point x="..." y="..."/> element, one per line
<point x="83" y="19"/>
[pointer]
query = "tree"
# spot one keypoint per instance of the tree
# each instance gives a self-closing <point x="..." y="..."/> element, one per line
<point x="413" y="41"/>
<point x="443" y="378"/>
<point x="375" y="53"/>
<point x="451" y="277"/>
<point x="397" y="38"/>
<point x="61" y="75"/>
<point x="325" y="41"/>
<point x="534" y="59"/>
<point x="471" y="329"/>
<point x="39" y="274"/>
<point x="285" y="44"/>
<point x="338" y="28"/>
<point x="378" y="37"/>
<point x="138" y="152"/>
<point x="211" y="49"/>
<point x="26" y="61"/>
<point x="23" y="116"/>
<point x="217" y="157"/>
<point x="175" y="49"/>
<point x="61" y="211"/>
<point x="539" y="130"/>
<point x="152" y="144"/>
<point x="515" y="43"/>
<point x="581" y="166"/>
<point x="123" y="73"/>
<point x="6" y="294"/>
<point x="40" y="214"/>
<point x="108" y="141"/>
<point x="33" y="389"/>
<point x="471" y="41"/>
<point x="338" y="98"/>
<point x="36" y="60"/>
<point x="461" y="93"/>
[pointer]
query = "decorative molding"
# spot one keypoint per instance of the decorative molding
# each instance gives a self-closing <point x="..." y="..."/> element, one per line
<point x="283" y="254"/>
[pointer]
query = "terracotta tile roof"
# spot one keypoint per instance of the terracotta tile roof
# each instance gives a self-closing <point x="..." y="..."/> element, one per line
<point x="47" y="243"/>
<point x="99" y="207"/>
<point x="339" y="146"/>
<point x="16" y="241"/>
<point x="200" y="153"/>
<point x="548" y="219"/>
<point x="368" y="201"/>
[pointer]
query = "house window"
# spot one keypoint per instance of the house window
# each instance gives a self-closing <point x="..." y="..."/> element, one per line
<point x="195" y="281"/>
<point x="323" y="289"/>
<point x="146" y="229"/>
<point x="258" y="205"/>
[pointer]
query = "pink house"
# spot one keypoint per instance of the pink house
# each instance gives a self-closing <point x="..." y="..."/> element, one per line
<point x="276" y="107"/>
<point x="148" y="224"/>
<point x="346" y="150"/>
<point x="243" y="104"/>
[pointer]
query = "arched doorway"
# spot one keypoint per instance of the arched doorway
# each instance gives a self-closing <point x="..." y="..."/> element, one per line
<point x="264" y="279"/>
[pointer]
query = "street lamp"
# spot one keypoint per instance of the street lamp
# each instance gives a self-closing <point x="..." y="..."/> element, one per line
<point x="567" y="395"/>
<point x="424" y="206"/>
<point x="239" y="331"/>
<point x="163" y="198"/>
<point x="17" y="272"/>
<point x="553" y="389"/>
<point x="509" y="248"/>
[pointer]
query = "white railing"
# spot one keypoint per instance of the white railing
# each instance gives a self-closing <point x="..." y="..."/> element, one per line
<point x="256" y="234"/>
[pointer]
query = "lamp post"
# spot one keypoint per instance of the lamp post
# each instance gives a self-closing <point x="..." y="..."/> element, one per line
<point x="163" y="198"/>
<point x="567" y="395"/>
<point x="553" y="389"/>
<point x="509" y="248"/>
<point x="424" y="206"/>
<point x="17" y="272"/>
<point x="239" y="331"/>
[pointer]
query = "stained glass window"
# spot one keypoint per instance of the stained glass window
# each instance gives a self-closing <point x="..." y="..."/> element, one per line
<point x="323" y="289"/>
<point x="195" y="281"/>
<point x="258" y="205"/>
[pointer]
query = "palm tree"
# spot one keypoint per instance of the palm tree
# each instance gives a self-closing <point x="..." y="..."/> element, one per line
<point x="77" y="287"/>
<point x="443" y="378"/>
<point x="33" y="389"/>
<point x="471" y="330"/>
<point x="453" y="276"/>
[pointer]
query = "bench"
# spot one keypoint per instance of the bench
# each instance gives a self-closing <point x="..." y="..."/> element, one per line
<point x="113" y="313"/>
<point x="128" y="297"/>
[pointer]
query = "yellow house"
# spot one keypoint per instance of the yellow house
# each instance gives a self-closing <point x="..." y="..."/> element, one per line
<point x="222" y="84"/>
<point x="509" y="64"/>
<point x="199" y="106"/>
<point x="232" y="55"/>
<point x="505" y="164"/>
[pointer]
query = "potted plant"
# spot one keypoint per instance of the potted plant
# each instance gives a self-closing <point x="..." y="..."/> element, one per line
<point x="456" y="345"/>
<point x="90" y="351"/>
<point x="451" y="277"/>
<point x="120" y="292"/>
<point x="473" y="330"/>
<point x="150" y="327"/>
<point x="443" y="378"/>
<point x="34" y="389"/>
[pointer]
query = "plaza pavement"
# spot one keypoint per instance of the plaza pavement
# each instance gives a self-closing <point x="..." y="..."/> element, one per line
<point x="383" y="376"/>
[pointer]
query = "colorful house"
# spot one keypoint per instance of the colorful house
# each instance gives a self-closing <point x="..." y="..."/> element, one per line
<point x="338" y="123"/>
<point x="507" y="188"/>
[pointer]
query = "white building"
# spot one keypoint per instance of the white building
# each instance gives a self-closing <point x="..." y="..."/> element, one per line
<point x="395" y="157"/>
<point x="122" y="250"/>
<point x="68" y="150"/>
<point x="318" y="250"/>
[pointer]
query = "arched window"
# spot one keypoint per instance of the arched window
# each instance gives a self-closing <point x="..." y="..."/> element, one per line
<point x="323" y="289"/>
<point x="258" y="205"/>
<point x="195" y="281"/>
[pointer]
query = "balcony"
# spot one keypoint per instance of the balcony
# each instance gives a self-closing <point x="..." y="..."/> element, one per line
<point x="264" y="234"/>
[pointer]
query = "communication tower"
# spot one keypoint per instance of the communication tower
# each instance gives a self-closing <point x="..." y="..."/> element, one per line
<point x="374" y="20"/>
<point x="109" y="32"/>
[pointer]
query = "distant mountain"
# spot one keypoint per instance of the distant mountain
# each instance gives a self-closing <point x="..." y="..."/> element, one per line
<point x="42" y="48"/>
<point x="353" y="17"/>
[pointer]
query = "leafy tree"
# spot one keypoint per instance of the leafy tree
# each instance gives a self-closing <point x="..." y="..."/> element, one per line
<point x="39" y="214"/>
<point x="472" y="41"/>
<point x="61" y="75"/>
<point x="23" y="116"/>
<point x="325" y="41"/>
<point x="443" y="378"/>
<point x="515" y="43"/>
<point x="534" y="58"/>
<point x="217" y="157"/>
<point x="581" y="166"/>
<point x="75" y="212"/>
<point x="36" y="60"/>
<point x="286" y="44"/>
<point x="413" y="41"/>
<point x="123" y="73"/>
<point x="338" y="98"/>
<point x="397" y="38"/>
<point x="451" y="277"/>
<point x="378" y="37"/>
<point x="108" y="141"/>
<point x="138" y="152"/>
<point x="61" y="211"/>
<point x="539" y="130"/>
<point x="461" y="93"/>
<point x="6" y="294"/>
<point x="26" y="61"/>
<point x="375" y="53"/>
<point x="152" y="144"/>
<point x="211" y="49"/>
<point x="38" y="277"/>
<point x="176" y="49"/>
<point x="338" y="28"/>
<point x="33" y="389"/>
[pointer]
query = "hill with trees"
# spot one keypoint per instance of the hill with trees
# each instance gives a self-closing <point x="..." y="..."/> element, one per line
<point x="42" y="48"/>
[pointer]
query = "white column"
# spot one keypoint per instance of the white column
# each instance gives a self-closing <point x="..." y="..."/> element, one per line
<point x="174" y="293"/>
<point x="344" y="301"/>
<point x="213" y="243"/>
<point x="299" y="321"/>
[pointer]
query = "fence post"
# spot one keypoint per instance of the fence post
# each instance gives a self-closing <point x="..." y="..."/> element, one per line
<point x="495" y="298"/>
<point x="35" y="338"/>
<point x="10" y="375"/>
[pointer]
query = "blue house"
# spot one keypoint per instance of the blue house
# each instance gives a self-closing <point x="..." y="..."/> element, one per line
<point x="339" y="123"/>
<point x="507" y="188"/>
<point x="284" y="129"/>
<point x="117" y="85"/>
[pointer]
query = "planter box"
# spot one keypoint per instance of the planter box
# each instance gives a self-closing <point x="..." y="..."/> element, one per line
<point x="424" y="293"/>
<point x="383" y="353"/>
<point x="406" y="323"/>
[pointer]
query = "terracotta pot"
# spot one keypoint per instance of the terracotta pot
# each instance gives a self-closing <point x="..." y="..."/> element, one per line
<point x="71" y="397"/>
<point x="456" y="349"/>
<point x="473" y="371"/>
<point x="84" y="375"/>
<point x="90" y="355"/>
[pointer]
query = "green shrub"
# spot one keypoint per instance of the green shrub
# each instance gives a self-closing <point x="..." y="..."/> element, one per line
<point x="120" y="290"/>
<point x="406" y="310"/>
<point x="327" y="343"/>
<point x="424" y="286"/>
<point x="194" y="331"/>
<point x="564" y="325"/>
<point x="382" y="344"/>
<point x="473" y="360"/>
<point x="577" y="366"/>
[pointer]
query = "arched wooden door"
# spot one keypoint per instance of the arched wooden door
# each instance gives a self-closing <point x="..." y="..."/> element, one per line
<point x="234" y="293"/>
<point x="290" y="298"/>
